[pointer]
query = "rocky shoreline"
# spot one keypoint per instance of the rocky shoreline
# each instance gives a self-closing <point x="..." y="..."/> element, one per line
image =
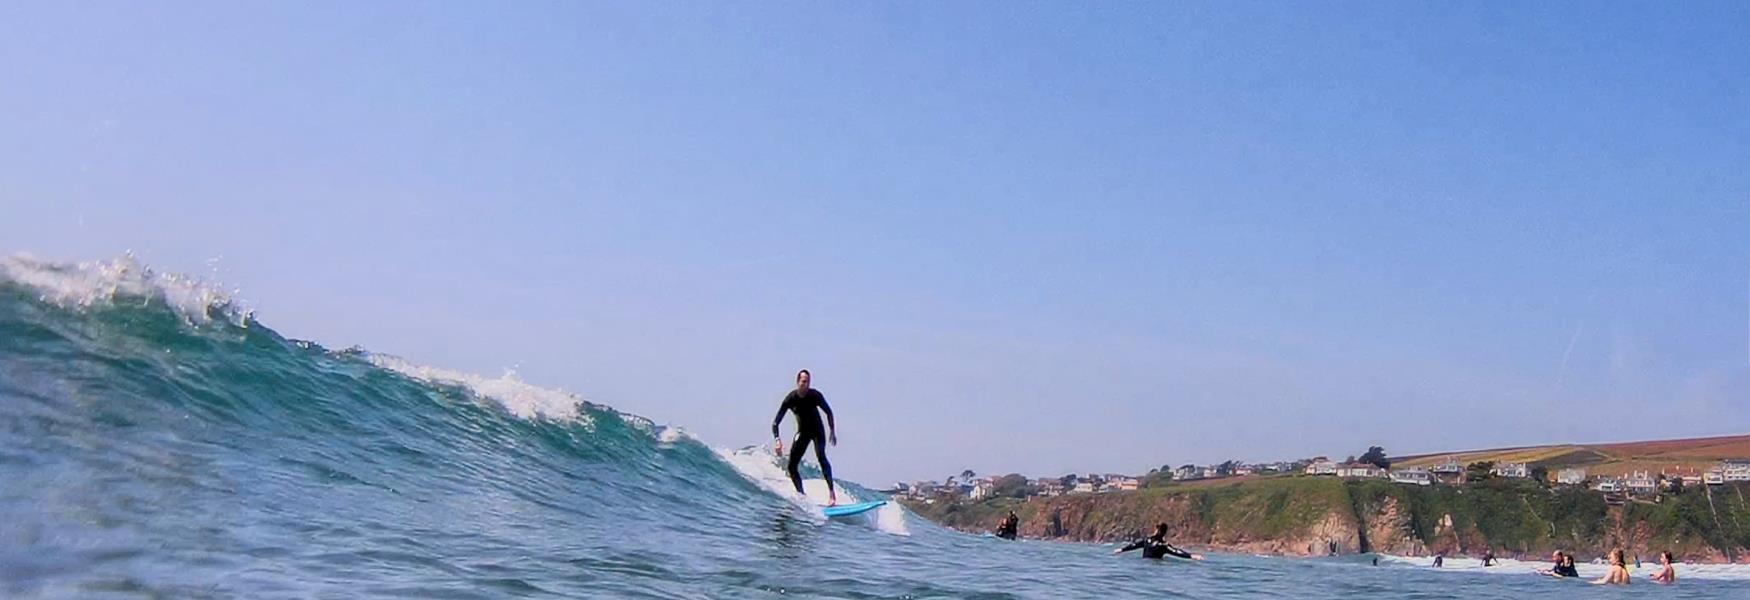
<point x="1305" y="516"/>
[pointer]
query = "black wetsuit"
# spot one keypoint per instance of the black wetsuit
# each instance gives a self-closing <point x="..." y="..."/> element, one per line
<point x="1008" y="529"/>
<point x="808" y="430"/>
<point x="1155" y="547"/>
<point x="1565" y="569"/>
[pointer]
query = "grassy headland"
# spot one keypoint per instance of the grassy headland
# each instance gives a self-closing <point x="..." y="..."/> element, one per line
<point x="1303" y="515"/>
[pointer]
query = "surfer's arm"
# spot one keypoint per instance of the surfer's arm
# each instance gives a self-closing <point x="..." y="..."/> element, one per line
<point x="1175" y="551"/>
<point x="1131" y="546"/>
<point x="782" y="406"/>
<point x="832" y="430"/>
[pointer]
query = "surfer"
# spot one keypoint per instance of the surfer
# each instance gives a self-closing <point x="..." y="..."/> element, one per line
<point x="805" y="401"/>
<point x="1156" y="546"/>
<point x="1489" y="558"/>
<point x="1666" y="573"/>
<point x="1439" y="559"/>
<point x="1563" y="565"/>
<point x="1007" y="530"/>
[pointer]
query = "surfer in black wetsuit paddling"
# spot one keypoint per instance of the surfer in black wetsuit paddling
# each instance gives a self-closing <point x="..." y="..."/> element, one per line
<point x="1156" y="546"/>
<point x="804" y="401"/>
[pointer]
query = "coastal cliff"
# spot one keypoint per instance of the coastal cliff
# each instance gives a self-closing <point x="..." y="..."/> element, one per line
<point x="1309" y="516"/>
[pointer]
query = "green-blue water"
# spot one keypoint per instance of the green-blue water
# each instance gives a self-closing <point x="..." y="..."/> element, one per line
<point x="158" y="442"/>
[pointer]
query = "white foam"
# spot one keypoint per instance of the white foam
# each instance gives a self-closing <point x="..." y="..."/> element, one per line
<point x="106" y="282"/>
<point x="765" y="469"/>
<point x="1588" y="570"/>
<point x="521" y="399"/>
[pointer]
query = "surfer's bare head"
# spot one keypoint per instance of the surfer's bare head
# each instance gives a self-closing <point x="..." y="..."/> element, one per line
<point x="802" y="378"/>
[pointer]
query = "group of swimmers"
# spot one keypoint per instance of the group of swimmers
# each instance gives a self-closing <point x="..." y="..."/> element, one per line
<point x="1618" y="573"/>
<point x="1564" y="567"/>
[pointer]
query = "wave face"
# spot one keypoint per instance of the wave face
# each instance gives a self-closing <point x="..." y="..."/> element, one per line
<point x="160" y="439"/>
<point x="156" y="440"/>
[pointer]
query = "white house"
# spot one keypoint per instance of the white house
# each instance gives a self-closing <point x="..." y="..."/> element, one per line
<point x="1574" y="476"/>
<point x="1360" y="470"/>
<point x="1607" y="485"/>
<point x="1123" y="482"/>
<point x="1413" y="476"/>
<point x="1448" y="467"/>
<point x="1321" y="467"/>
<point x="1735" y="470"/>
<point x="1641" y="482"/>
<point x="1512" y="469"/>
<point x="1714" y="477"/>
<point x="1185" y="472"/>
<point x="981" y="490"/>
<point x="1087" y="485"/>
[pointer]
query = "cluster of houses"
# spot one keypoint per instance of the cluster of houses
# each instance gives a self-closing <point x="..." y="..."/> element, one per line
<point x="1637" y="483"/>
<point x="1450" y="471"/>
<point x="979" y="488"/>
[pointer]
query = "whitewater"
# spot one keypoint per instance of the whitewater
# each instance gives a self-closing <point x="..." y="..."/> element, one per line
<point x="157" y="440"/>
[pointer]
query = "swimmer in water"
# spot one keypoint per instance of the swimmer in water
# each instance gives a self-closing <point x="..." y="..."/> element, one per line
<point x="1666" y="574"/>
<point x="1618" y="574"/>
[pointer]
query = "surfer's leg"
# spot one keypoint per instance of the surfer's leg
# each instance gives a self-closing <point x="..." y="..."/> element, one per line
<point x="797" y="447"/>
<point x="825" y="467"/>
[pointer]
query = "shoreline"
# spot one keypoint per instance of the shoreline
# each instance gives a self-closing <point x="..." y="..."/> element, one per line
<point x="1314" y="517"/>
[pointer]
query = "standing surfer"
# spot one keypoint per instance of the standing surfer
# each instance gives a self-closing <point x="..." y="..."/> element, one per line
<point x="807" y="403"/>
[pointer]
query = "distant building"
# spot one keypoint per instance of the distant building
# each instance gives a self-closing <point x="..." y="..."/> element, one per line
<point x="1512" y="469"/>
<point x="1687" y="475"/>
<point x="1123" y="483"/>
<point x="1641" y="482"/>
<point x="1413" y="476"/>
<point x="981" y="490"/>
<point x="1734" y="470"/>
<point x="1574" y="476"/>
<point x="1244" y="470"/>
<point x="1087" y="485"/>
<point x="1360" y="470"/>
<point x="1449" y="466"/>
<point x="1714" y="477"/>
<point x="1608" y="485"/>
<point x="1048" y="487"/>
<point x="1187" y="472"/>
<point x="1321" y="467"/>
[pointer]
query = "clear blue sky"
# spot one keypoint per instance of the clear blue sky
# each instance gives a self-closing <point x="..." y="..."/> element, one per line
<point x="1006" y="237"/>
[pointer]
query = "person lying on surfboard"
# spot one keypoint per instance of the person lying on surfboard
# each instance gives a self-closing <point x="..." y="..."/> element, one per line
<point x="805" y="401"/>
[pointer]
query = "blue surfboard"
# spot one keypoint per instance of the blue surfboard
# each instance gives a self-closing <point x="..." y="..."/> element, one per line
<point x="846" y="510"/>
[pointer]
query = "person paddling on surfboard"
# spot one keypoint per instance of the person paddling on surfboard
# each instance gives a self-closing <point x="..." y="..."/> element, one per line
<point x="805" y="401"/>
<point x="1156" y="546"/>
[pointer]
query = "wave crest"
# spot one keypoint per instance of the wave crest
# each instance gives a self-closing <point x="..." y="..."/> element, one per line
<point x="110" y="282"/>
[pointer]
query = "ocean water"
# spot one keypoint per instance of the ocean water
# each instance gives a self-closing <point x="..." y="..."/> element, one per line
<point x="158" y="441"/>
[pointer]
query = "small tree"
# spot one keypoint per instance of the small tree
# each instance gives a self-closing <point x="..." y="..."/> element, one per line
<point x="1375" y="456"/>
<point x="1540" y="474"/>
<point x="967" y="475"/>
<point x="1013" y="485"/>
<point x="1479" y="471"/>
